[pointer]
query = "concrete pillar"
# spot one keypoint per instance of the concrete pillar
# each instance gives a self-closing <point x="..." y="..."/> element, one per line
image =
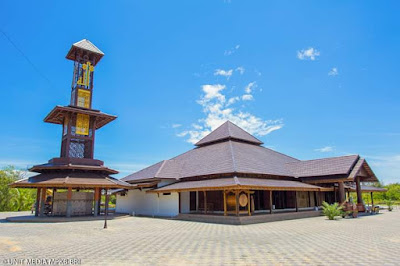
<point x="342" y="194"/>
<point x="69" y="206"/>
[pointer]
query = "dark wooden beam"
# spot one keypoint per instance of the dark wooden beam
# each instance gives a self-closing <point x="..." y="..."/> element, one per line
<point x="237" y="202"/>
<point x="225" y="208"/>
<point x="358" y="188"/>
<point x="248" y="203"/>
<point x="37" y="204"/>
<point x="42" y="201"/>
<point x="205" y="202"/>
<point x="270" y="201"/>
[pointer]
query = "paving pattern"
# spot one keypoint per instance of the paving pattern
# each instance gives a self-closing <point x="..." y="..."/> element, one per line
<point x="373" y="240"/>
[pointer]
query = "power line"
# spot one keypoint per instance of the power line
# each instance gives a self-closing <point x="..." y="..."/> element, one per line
<point x="25" y="56"/>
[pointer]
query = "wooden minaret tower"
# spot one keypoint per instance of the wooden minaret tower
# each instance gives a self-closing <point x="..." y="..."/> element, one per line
<point x="76" y="167"/>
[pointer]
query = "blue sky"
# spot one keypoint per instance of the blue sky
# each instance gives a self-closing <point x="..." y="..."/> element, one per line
<point x="311" y="79"/>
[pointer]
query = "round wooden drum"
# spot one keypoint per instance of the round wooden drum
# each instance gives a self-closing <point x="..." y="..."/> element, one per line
<point x="243" y="200"/>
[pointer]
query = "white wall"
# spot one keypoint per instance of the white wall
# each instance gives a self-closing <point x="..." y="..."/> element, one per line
<point x="150" y="204"/>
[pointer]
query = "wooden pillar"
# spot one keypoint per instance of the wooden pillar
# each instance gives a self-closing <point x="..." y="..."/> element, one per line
<point x="335" y="193"/>
<point x="197" y="201"/>
<point x="179" y="202"/>
<point x="96" y="201"/>
<point x="248" y="203"/>
<point x="358" y="188"/>
<point x="107" y="201"/>
<point x="237" y="202"/>
<point x="42" y="201"/>
<point x="106" y="208"/>
<point x="296" y="203"/>
<point x="270" y="202"/>
<point x="52" y="202"/>
<point x="315" y="199"/>
<point x="99" y="204"/>
<point x="37" y="204"/>
<point x="69" y="206"/>
<point x="372" y="199"/>
<point x="225" y="213"/>
<point x="342" y="194"/>
<point x="205" y="202"/>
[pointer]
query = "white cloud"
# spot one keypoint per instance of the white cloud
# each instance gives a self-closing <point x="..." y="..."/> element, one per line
<point x="232" y="50"/>
<point x="217" y="111"/>
<point x="212" y="92"/>
<point x="176" y="125"/>
<point x="333" y="72"/>
<point x="247" y="97"/>
<point x="224" y="73"/>
<point x="240" y="69"/>
<point x="249" y="87"/>
<point x="232" y="100"/>
<point x="308" y="54"/>
<point x="325" y="149"/>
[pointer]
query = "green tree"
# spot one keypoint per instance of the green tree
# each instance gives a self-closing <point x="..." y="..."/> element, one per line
<point x="14" y="199"/>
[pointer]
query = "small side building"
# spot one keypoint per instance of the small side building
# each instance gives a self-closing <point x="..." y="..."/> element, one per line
<point x="229" y="173"/>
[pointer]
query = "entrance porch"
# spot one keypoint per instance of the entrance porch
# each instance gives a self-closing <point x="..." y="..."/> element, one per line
<point x="233" y="199"/>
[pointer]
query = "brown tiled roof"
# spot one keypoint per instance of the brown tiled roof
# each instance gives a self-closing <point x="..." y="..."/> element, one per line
<point x="87" y="46"/>
<point x="357" y="169"/>
<point x="368" y="189"/>
<point x="49" y="166"/>
<point x="72" y="179"/>
<point x="323" y="167"/>
<point x="223" y="157"/>
<point x="230" y="150"/>
<point x="237" y="182"/>
<point x="146" y="173"/>
<point x="228" y="130"/>
<point x="56" y="116"/>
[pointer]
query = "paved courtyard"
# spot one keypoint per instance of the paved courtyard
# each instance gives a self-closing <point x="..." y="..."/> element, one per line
<point x="135" y="241"/>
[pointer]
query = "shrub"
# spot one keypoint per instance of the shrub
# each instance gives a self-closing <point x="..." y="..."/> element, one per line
<point x="331" y="211"/>
<point x="389" y="203"/>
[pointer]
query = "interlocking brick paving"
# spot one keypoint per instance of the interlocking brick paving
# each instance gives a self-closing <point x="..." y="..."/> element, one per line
<point x="134" y="241"/>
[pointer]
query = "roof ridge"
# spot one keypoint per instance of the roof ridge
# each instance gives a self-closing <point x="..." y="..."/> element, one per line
<point x="159" y="169"/>
<point x="228" y="131"/>
<point x="233" y="157"/>
<point x="325" y="158"/>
